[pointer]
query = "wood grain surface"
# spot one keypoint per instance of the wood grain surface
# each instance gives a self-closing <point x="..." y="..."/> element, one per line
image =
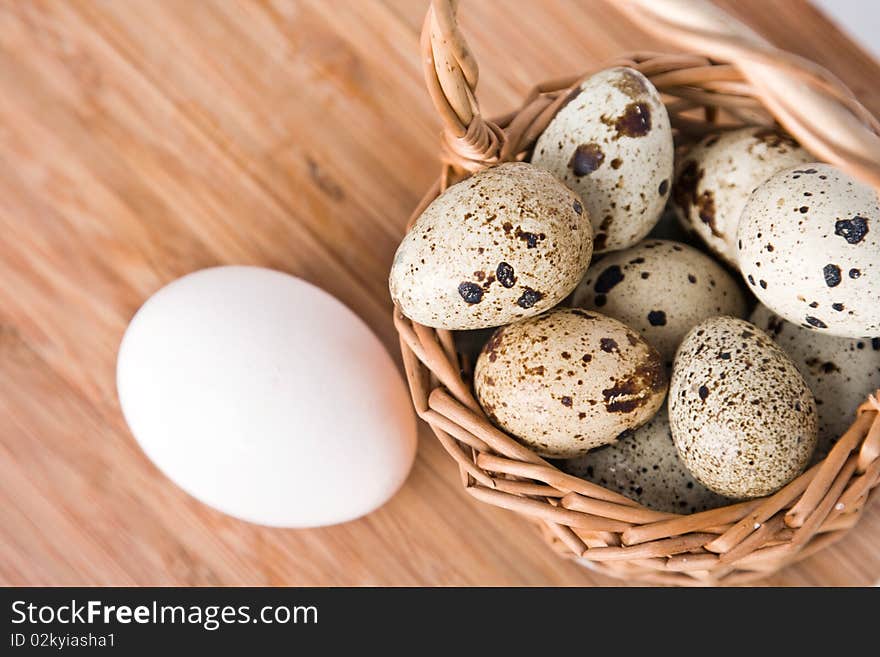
<point x="145" y="139"/>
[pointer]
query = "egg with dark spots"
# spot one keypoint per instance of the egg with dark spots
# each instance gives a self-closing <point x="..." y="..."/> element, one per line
<point x="507" y="243"/>
<point x="743" y="419"/>
<point x="824" y="258"/>
<point x="612" y="144"/>
<point x="568" y="380"/>
<point x="714" y="180"/>
<point x="840" y="374"/>
<point x="644" y="466"/>
<point x="661" y="289"/>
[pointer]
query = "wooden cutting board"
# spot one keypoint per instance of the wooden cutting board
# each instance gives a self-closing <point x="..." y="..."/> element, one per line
<point x="142" y="140"/>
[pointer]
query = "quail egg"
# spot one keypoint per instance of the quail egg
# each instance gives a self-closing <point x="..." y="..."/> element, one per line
<point x="661" y="289"/>
<point x="568" y="380"/>
<point x="612" y="144"/>
<point x="644" y="466"/>
<point x="507" y="243"/>
<point x="714" y="180"/>
<point x="841" y="372"/>
<point x="743" y="419"/>
<point x="809" y="248"/>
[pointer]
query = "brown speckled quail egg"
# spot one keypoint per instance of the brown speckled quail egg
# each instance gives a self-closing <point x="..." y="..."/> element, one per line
<point x="714" y="180"/>
<point x="841" y="372"/>
<point x="612" y="143"/>
<point x="645" y="467"/>
<point x="743" y="419"/>
<point x="661" y="289"/>
<point x="508" y="242"/>
<point x="809" y="248"/>
<point x="568" y="380"/>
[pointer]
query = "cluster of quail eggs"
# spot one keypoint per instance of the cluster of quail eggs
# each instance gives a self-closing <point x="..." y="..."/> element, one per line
<point x="627" y="358"/>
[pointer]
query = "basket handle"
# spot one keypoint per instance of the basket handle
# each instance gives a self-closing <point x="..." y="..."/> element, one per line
<point x="470" y="142"/>
<point x="806" y="99"/>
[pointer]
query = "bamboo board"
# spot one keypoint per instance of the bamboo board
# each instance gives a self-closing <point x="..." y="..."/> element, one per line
<point x="142" y="140"/>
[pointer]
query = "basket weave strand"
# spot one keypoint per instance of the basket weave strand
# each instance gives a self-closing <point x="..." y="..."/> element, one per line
<point x="734" y="77"/>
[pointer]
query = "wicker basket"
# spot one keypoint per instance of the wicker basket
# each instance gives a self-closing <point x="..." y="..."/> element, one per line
<point x="743" y="80"/>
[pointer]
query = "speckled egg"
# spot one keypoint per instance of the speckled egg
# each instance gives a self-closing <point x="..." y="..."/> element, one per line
<point x="612" y="143"/>
<point x="841" y="372"/>
<point x="645" y="467"/>
<point x="743" y="419"/>
<point x="809" y="247"/>
<point x="714" y="180"/>
<point x="568" y="380"/>
<point x="507" y="243"/>
<point x="661" y="289"/>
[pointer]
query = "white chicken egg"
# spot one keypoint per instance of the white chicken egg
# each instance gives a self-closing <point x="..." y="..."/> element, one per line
<point x="266" y="398"/>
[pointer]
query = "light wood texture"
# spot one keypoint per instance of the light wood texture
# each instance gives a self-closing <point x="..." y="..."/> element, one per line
<point x="141" y="140"/>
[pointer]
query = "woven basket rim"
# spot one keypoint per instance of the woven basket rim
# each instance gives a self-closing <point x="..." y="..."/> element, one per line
<point x="611" y="533"/>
